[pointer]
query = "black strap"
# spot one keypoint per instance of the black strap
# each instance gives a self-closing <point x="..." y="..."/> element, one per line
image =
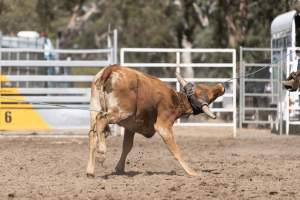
<point x="195" y="103"/>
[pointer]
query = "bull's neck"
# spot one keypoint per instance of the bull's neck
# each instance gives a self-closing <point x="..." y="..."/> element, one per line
<point x="184" y="107"/>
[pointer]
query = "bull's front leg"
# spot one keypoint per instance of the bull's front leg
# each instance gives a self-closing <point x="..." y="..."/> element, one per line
<point x="165" y="131"/>
<point x="127" y="146"/>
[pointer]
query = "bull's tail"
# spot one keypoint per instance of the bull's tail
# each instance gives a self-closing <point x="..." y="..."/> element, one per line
<point x="107" y="131"/>
<point x="98" y="101"/>
<point x="105" y="75"/>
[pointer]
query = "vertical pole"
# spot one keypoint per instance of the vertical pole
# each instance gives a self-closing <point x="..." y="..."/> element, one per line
<point x="178" y="71"/>
<point x="234" y="90"/>
<point x="115" y="45"/>
<point x="273" y="95"/>
<point x="111" y="57"/>
<point x="241" y="113"/>
<point x="122" y="61"/>
<point x="280" y="67"/>
<point x="287" y="114"/>
<point x="109" y="46"/>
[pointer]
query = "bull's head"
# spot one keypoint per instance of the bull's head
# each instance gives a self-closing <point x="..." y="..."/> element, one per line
<point x="205" y="94"/>
<point x="293" y="81"/>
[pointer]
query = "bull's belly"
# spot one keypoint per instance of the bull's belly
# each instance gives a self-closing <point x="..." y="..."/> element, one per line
<point x="145" y="128"/>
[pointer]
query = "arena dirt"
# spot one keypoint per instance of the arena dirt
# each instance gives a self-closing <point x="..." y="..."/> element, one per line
<point x="254" y="166"/>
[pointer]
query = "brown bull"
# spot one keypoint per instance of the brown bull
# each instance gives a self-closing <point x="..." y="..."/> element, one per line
<point x="141" y="104"/>
<point x="293" y="81"/>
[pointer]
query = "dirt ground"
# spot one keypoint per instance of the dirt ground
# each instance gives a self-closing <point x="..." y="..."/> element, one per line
<point x="256" y="165"/>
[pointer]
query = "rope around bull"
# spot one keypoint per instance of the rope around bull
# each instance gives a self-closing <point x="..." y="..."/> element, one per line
<point x="91" y="109"/>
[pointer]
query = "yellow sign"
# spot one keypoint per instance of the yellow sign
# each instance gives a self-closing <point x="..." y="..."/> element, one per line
<point x="18" y="116"/>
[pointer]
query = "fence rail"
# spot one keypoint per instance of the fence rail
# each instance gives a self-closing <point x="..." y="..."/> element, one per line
<point x="254" y="109"/>
<point x="30" y="106"/>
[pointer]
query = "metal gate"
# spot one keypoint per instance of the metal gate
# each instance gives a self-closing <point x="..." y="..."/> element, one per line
<point x="261" y="92"/>
<point x="291" y="100"/>
<point x="64" y="82"/>
<point x="46" y="90"/>
<point x="206" y="65"/>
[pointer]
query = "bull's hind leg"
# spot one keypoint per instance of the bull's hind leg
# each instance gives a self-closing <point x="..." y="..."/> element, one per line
<point x="101" y="124"/>
<point x="127" y="146"/>
<point x="90" y="171"/>
<point x="167" y="135"/>
<point x="98" y="125"/>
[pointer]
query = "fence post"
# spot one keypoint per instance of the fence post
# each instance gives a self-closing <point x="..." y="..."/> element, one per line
<point x="241" y="114"/>
<point x="280" y="67"/>
<point x="234" y="90"/>
<point x="115" y="46"/>
<point x="109" y="46"/>
<point x="287" y="121"/>
<point x="178" y="71"/>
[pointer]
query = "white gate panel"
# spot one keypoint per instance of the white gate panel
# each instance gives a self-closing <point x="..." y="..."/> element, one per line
<point x="260" y="87"/>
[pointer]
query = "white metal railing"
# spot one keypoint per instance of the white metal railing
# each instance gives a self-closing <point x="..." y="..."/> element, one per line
<point x="68" y="51"/>
<point x="69" y="95"/>
<point x="178" y="64"/>
<point x="61" y="63"/>
<point x="273" y="82"/>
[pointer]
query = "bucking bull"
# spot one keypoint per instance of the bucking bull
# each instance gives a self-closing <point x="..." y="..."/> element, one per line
<point x="141" y="104"/>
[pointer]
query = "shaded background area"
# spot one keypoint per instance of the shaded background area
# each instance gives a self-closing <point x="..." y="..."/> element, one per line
<point x="162" y="24"/>
<point x="168" y="23"/>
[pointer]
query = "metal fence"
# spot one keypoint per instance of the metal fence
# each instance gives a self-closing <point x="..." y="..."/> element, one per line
<point x="27" y="77"/>
<point x="260" y="92"/>
<point x="291" y="99"/>
<point x="149" y="62"/>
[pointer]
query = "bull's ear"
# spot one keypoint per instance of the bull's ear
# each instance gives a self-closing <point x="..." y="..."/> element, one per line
<point x="292" y="76"/>
<point x="181" y="80"/>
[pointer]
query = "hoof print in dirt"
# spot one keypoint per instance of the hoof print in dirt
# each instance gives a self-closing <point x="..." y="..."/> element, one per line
<point x="90" y="175"/>
<point x="273" y="193"/>
<point x="11" y="195"/>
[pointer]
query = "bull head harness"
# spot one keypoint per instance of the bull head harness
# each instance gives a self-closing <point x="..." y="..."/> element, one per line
<point x="195" y="103"/>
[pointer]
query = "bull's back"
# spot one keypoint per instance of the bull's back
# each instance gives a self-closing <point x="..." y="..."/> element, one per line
<point x="136" y="93"/>
<point x="126" y="78"/>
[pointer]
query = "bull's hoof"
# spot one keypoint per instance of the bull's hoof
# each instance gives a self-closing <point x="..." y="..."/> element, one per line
<point x="89" y="175"/>
<point x="119" y="171"/>
<point x="194" y="174"/>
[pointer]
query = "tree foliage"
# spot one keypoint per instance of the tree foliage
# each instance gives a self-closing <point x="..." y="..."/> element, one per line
<point x="151" y="23"/>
